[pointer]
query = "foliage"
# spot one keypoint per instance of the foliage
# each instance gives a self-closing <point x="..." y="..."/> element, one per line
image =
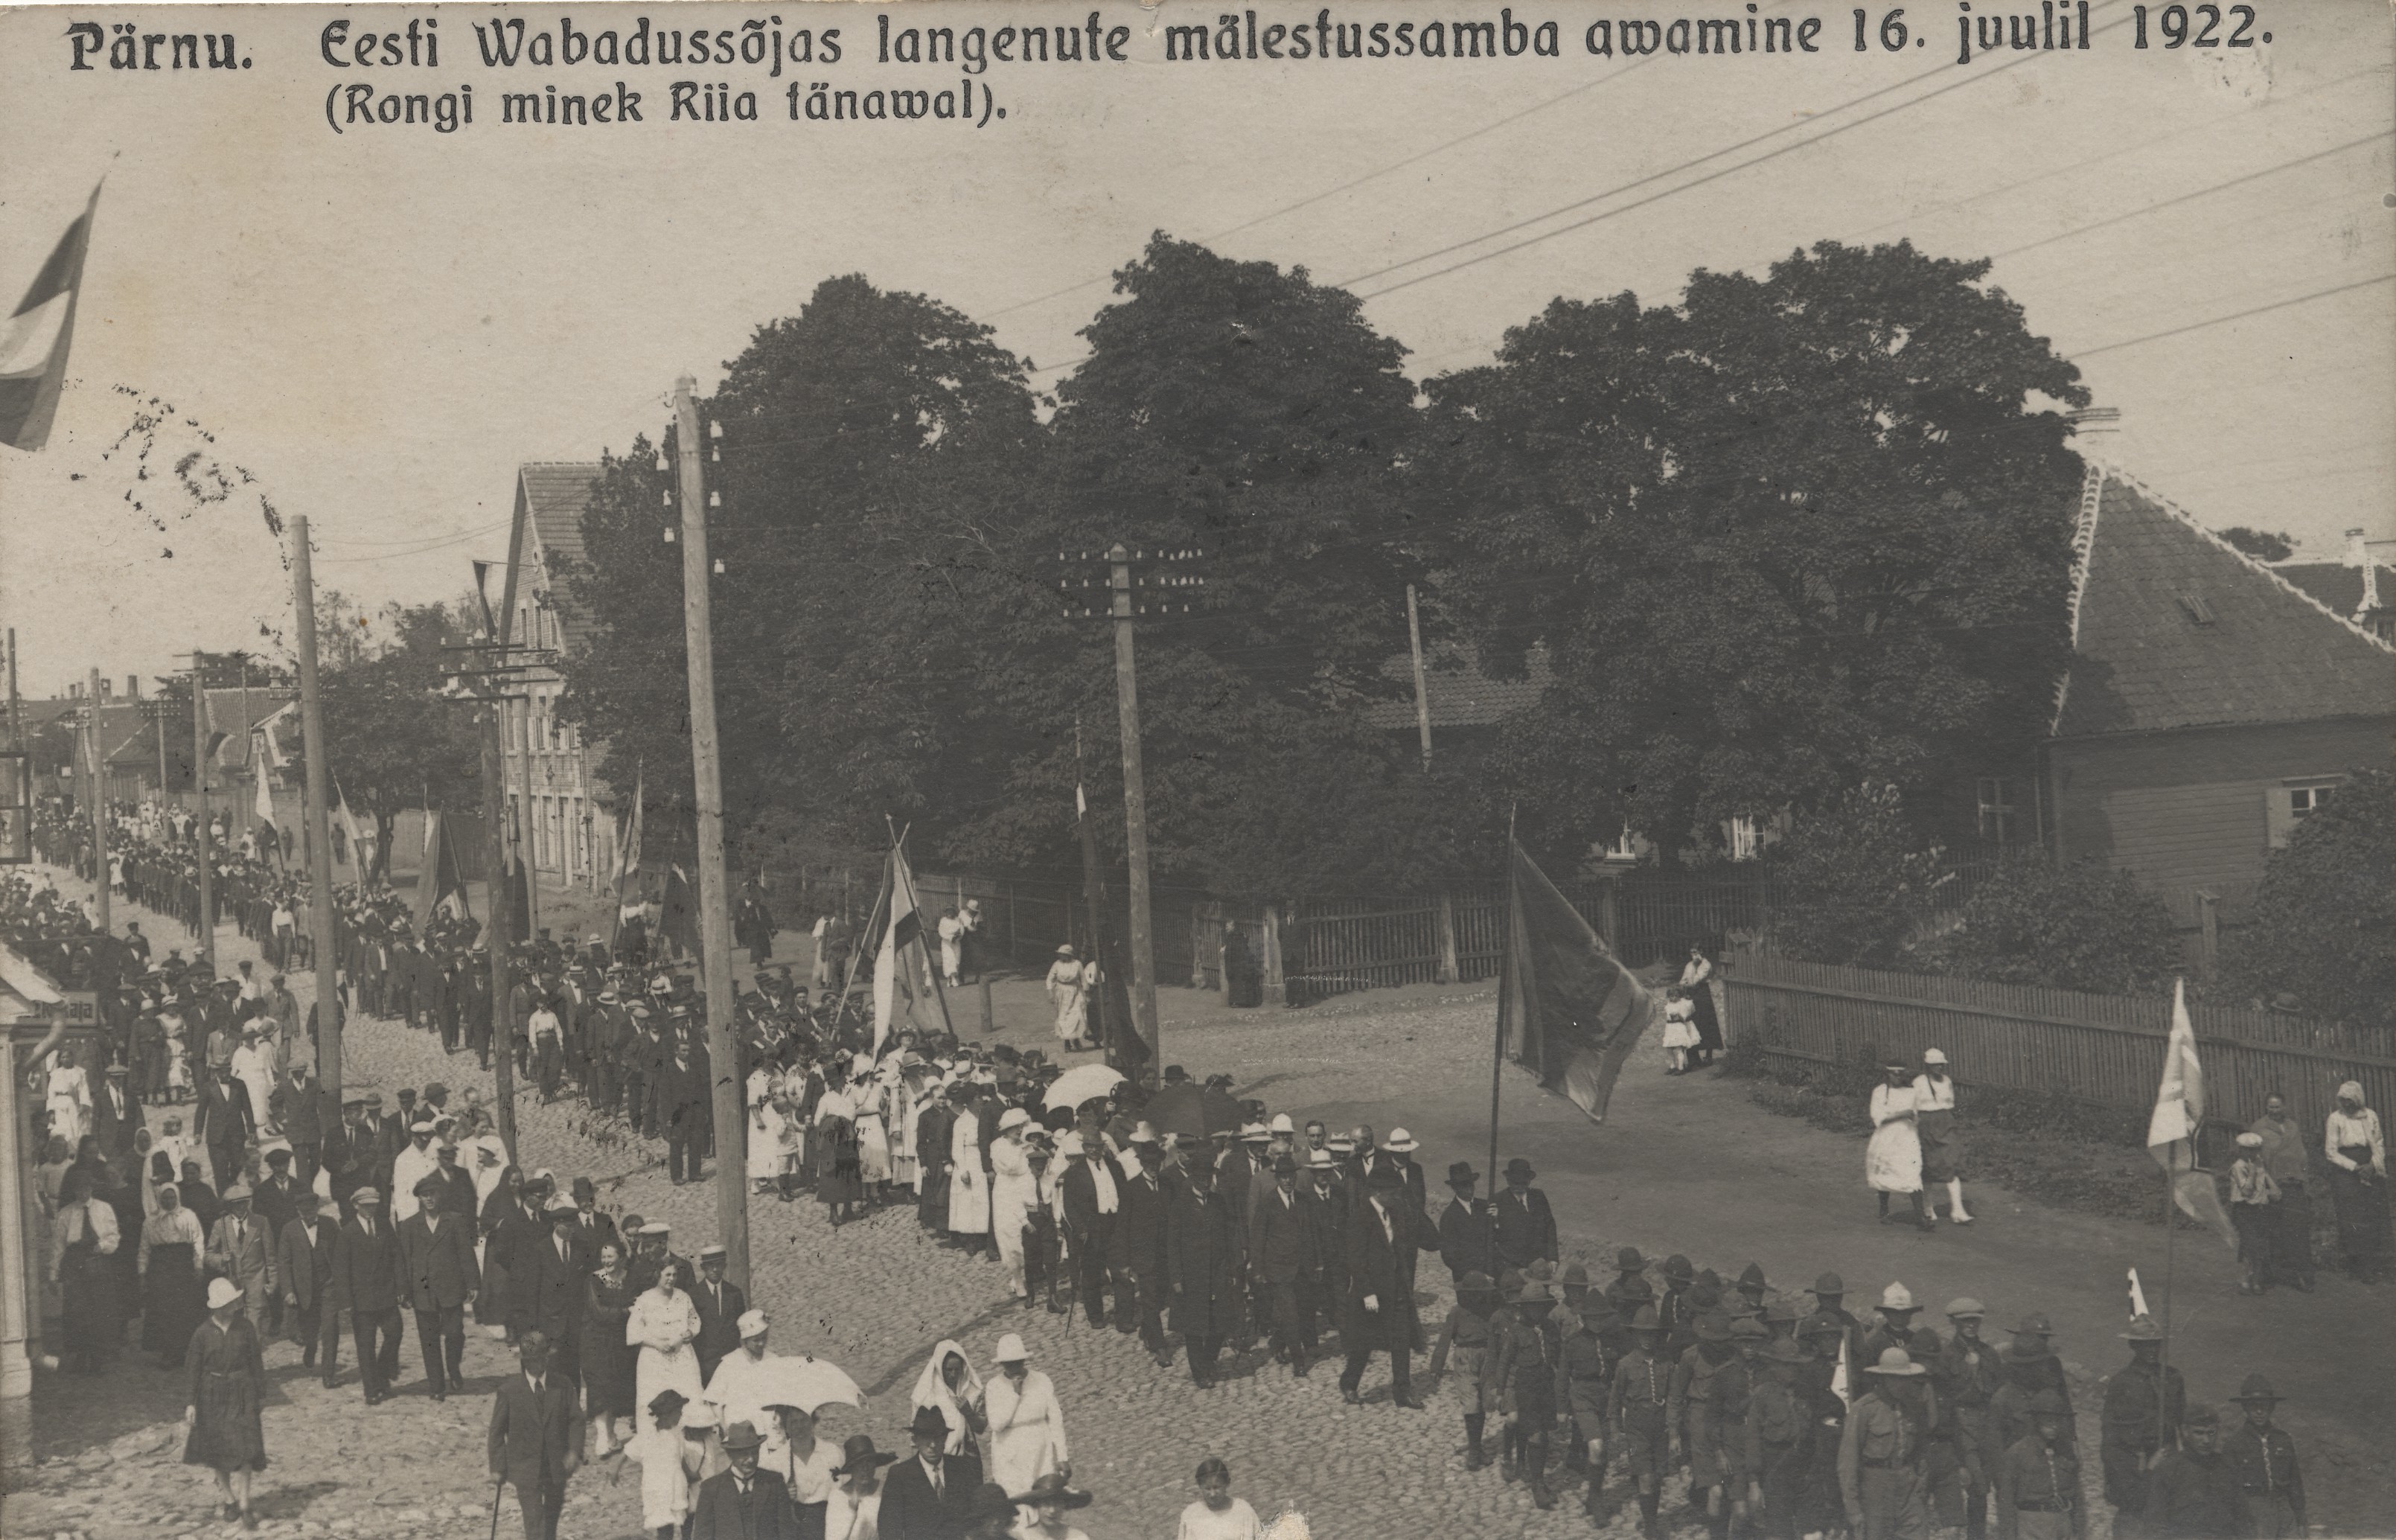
<point x="1850" y="885"/>
<point x="395" y="743"/>
<point x="2080" y="926"/>
<point x="2322" y="927"/>
<point x="2263" y="545"/>
<point x="1795" y="533"/>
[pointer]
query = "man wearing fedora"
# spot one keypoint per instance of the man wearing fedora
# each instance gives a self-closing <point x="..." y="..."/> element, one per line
<point x="535" y="1439"/>
<point x="2264" y="1459"/>
<point x="1468" y="1226"/>
<point x="1883" y="1453"/>
<point x="1527" y="1230"/>
<point x="927" y="1496"/>
<point x="745" y="1502"/>
<point x="2143" y="1402"/>
<point x="2038" y="1478"/>
<point x="1383" y="1240"/>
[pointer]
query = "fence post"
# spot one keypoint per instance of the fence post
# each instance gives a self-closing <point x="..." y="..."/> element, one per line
<point x="1447" y="966"/>
<point x="2208" y="921"/>
<point x="1275" y="984"/>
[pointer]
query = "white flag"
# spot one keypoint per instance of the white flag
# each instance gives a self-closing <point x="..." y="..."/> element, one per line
<point x="2138" y="1297"/>
<point x="2179" y="1112"/>
<point x="905" y="927"/>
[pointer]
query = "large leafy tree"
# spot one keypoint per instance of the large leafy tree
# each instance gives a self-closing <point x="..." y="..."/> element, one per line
<point x="394" y="741"/>
<point x="1797" y="532"/>
<point x="2322" y="927"/>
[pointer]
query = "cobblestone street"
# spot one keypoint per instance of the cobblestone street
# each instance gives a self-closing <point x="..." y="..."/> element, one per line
<point x="877" y="1295"/>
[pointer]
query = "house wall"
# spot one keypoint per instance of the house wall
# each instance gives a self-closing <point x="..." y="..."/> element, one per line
<point x="2193" y="810"/>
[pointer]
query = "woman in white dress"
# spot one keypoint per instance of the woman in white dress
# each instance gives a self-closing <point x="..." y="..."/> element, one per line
<point x="1013" y="1193"/>
<point x="1893" y="1159"/>
<point x="662" y="1326"/>
<point x="67" y="1093"/>
<point x="952" y="949"/>
<point x="764" y="1131"/>
<point x="1069" y="991"/>
<point x="872" y="1097"/>
<point x="906" y="1170"/>
<point x="968" y="1185"/>
<point x="253" y="1065"/>
<point x="1026" y="1427"/>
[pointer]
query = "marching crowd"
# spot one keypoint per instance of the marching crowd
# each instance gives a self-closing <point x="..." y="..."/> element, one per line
<point x="1191" y="1221"/>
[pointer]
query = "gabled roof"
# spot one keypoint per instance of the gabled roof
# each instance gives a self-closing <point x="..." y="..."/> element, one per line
<point x="1458" y="694"/>
<point x="2338" y="586"/>
<point x="2173" y="627"/>
<point x="551" y="496"/>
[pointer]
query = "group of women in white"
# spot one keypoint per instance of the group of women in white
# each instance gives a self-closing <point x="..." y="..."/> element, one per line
<point x="1913" y="1140"/>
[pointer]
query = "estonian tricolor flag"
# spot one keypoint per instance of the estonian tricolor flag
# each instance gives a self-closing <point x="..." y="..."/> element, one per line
<point x="33" y="339"/>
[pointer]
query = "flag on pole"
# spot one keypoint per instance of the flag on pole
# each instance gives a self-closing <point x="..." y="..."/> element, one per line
<point x="628" y="863"/>
<point x="2138" y="1297"/>
<point x="1572" y="1011"/>
<point x="264" y="799"/>
<point x="2179" y="1112"/>
<point x="34" y="339"/>
<point x="361" y="848"/>
<point x="441" y="876"/>
<point x="906" y="927"/>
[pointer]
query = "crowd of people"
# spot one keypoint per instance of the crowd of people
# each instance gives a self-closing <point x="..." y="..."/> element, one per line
<point x="1201" y="1226"/>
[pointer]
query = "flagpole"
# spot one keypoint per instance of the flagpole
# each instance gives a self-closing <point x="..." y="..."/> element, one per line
<point x="1505" y="994"/>
<point x="939" y="990"/>
<point x="858" y="952"/>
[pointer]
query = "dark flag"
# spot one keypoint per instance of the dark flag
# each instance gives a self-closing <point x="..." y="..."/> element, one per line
<point x="441" y="876"/>
<point x="520" y="899"/>
<point x="1112" y="999"/>
<point x="33" y="339"/>
<point x="1571" y="1012"/>
<point x="679" y="922"/>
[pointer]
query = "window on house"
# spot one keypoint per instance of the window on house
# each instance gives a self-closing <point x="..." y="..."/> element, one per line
<point x="1740" y="837"/>
<point x="1996" y="809"/>
<point x="2292" y="802"/>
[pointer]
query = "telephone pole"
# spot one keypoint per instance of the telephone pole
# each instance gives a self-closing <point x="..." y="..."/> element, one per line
<point x="1422" y="698"/>
<point x="494" y="899"/>
<point x="1143" y="948"/>
<point x="200" y="757"/>
<point x="714" y="903"/>
<point x="98" y="817"/>
<point x="320" y="838"/>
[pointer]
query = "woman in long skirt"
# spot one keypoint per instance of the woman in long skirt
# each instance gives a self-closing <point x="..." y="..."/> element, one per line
<point x="172" y="1258"/>
<point x="228" y="1385"/>
<point x="1698" y="982"/>
<point x="610" y="1360"/>
<point x="1069" y="991"/>
<point x="1893" y="1159"/>
<point x="969" y="1184"/>
<point x="83" y="1267"/>
<point x="838" y="1184"/>
<point x="870" y="1096"/>
<point x="2357" y="1149"/>
<point x="764" y="1130"/>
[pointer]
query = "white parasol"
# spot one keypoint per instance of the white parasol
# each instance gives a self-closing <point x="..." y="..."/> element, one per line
<point x="1079" y="1084"/>
<point x="806" y="1383"/>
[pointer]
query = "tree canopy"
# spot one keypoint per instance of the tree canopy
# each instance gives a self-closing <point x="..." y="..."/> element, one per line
<point x="2322" y="928"/>
<point x="395" y="743"/>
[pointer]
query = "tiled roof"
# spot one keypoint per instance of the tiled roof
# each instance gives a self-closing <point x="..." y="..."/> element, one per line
<point x="2175" y="628"/>
<point x="2337" y="585"/>
<point x="1458" y="692"/>
<point x="555" y="494"/>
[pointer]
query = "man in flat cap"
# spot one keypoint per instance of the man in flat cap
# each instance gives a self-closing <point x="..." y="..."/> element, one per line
<point x="437" y="1277"/>
<point x="366" y="1281"/>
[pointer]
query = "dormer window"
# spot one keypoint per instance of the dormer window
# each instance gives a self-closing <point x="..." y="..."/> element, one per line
<point x="2199" y="612"/>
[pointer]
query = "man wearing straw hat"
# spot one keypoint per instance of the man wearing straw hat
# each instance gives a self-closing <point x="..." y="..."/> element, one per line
<point x="1883" y="1463"/>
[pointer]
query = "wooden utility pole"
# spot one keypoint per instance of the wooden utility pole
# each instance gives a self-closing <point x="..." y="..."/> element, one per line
<point x="707" y="786"/>
<point x="16" y="722"/>
<point x="1422" y="698"/>
<point x="98" y="817"/>
<point x="1143" y="951"/>
<point x="319" y="827"/>
<point x="495" y="923"/>
<point x="200" y="796"/>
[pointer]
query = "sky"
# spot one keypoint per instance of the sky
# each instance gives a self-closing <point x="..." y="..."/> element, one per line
<point x="379" y="326"/>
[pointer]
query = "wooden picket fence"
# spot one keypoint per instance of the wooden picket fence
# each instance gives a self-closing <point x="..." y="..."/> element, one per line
<point x="2104" y="1049"/>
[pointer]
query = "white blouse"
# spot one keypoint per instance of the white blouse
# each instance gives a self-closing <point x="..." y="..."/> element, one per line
<point x="2362" y="1128"/>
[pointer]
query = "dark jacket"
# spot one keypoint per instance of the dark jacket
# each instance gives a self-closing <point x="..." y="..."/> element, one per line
<point x="1382" y="1267"/>
<point x="1468" y="1239"/>
<point x="437" y="1267"/>
<point x="1139" y="1242"/>
<point x="366" y="1269"/>
<point x="1203" y="1249"/>
<point x="1527" y="1230"/>
<point x="910" y="1509"/>
<point x="1286" y="1242"/>
<point x="535" y="1441"/>
<point x="300" y="1108"/>
<point x="545" y="1289"/>
<point x="1080" y="1186"/>
<point x="717" y="1511"/>
<point x="114" y="1130"/>
<point x="719" y="1329"/>
<point x="301" y="1268"/>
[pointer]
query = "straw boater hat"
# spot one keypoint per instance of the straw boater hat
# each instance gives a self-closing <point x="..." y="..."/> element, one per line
<point x="753" y="1324"/>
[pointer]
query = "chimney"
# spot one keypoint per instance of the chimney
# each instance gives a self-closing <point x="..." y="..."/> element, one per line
<point x="106" y="692"/>
<point x="132" y="686"/>
<point x="74" y="690"/>
<point x="2358" y="555"/>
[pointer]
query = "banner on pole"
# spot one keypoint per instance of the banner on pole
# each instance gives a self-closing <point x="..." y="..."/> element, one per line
<point x="1572" y="1012"/>
<point x="2179" y="1112"/>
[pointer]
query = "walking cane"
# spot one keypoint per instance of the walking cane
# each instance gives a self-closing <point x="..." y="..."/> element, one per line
<point x="496" y="1491"/>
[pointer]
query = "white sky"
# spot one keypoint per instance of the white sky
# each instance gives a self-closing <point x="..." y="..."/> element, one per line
<point x="381" y="326"/>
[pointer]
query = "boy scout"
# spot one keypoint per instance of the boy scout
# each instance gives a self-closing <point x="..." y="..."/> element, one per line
<point x="1523" y="1376"/>
<point x="1638" y="1412"/>
<point x="1883" y="1456"/>
<point x="1468" y="1334"/>
<point x="2264" y="1460"/>
<point x="1779" y="1435"/>
<point x="2038" y="1478"/>
<point x="2142" y="1412"/>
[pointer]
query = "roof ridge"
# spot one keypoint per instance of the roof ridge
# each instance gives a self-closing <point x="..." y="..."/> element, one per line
<point x="2182" y="514"/>
<point x="2083" y="541"/>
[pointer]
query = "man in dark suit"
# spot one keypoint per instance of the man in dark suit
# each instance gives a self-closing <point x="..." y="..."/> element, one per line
<point x="455" y="1193"/>
<point x="278" y="1197"/>
<point x="743" y="1503"/>
<point x="1287" y="1262"/>
<point x="437" y="1276"/>
<point x="719" y="1305"/>
<point x="547" y="1274"/>
<point x="536" y="1437"/>
<point x="685" y="1089"/>
<point x="592" y="1229"/>
<point x="928" y="1496"/>
<point x="1526" y="1230"/>
<point x="1204" y="1253"/>
<point x="1468" y="1229"/>
<point x="1093" y="1187"/>
<point x="1383" y="1236"/>
<point x="366" y="1283"/>
<point x="303" y="1270"/>
<point x="305" y="1110"/>
<point x="222" y="1123"/>
<point x="115" y="1117"/>
<point x="1138" y="1247"/>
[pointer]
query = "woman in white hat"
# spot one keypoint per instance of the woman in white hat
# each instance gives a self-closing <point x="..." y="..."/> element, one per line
<point x="1933" y="1125"/>
<point x="664" y="1323"/>
<point x="1026" y="1426"/>
<point x="1069" y="991"/>
<point x="1013" y="1192"/>
<point x="227" y="1385"/>
<point x="869" y="1093"/>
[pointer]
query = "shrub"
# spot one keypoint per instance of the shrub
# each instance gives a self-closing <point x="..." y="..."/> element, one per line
<point x="1849" y="886"/>
<point x="2323" y="925"/>
<point x="2072" y="927"/>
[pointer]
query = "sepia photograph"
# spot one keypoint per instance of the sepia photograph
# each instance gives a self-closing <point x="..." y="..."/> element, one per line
<point x="778" y="773"/>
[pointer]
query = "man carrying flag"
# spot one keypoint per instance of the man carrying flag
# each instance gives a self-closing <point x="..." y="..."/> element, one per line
<point x="34" y="339"/>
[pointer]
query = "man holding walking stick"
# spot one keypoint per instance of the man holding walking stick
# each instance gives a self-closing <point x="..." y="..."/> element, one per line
<point x="536" y="1440"/>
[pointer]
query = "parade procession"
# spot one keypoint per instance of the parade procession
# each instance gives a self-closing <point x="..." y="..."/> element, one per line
<point x="1482" y="774"/>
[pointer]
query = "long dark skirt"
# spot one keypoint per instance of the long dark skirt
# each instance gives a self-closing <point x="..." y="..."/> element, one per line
<point x="931" y="1208"/>
<point x="2362" y="1209"/>
<point x="2292" y="1251"/>
<point x="840" y="1178"/>
<point x="227" y="1379"/>
<point x="88" y="1302"/>
<point x="610" y="1366"/>
<point x="173" y="1301"/>
<point x="1709" y="1038"/>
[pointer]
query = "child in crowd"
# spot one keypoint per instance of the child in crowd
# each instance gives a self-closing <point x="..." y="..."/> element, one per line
<point x="1679" y="1029"/>
<point x="667" y="1463"/>
<point x="2251" y="1193"/>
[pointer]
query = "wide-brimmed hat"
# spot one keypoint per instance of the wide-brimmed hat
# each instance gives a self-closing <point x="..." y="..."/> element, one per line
<point x="1400" y="1142"/>
<point x="1896" y="1362"/>
<point x="1647" y="1319"/>
<point x="1632" y="1289"/>
<point x="858" y="1454"/>
<point x="1784" y="1351"/>
<point x="2049" y="1403"/>
<point x="1013" y="1117"/>
<point x="1753" y="1277"/>
<point x="1897" y="1297"/>
<point x="2027" y="1349"/>
<point x="1830" y="1283"/>
<point x="1576" y="1275"/>
<point x="1628" y="1260"/>
<point x="2256" y="1388"/>
<point x="742" y="1435"/>
<point x="1320" y="1160"/>
<point x="1714" y="1326"/>
<point x="222" y="1291"/>
<point x="751" y="1324"/>
<point x="1461" y="1172"/>
<point x="1520" y="1167"/>
<point x="2143" y="1329"/>
<point x="1052" y="1489"/>
<point x="1679" y="1268"/>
